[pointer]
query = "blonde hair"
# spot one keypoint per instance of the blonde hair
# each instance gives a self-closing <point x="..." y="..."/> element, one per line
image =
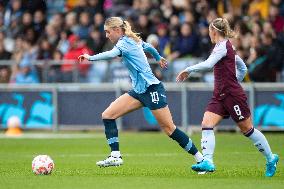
<point x="117" y="22"/>
<point x="223" y="27"/>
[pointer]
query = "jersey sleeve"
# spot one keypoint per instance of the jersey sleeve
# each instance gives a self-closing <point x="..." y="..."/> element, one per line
<point x="106" y="55"/>
<point x="217" y="54"/>
<point x="122" y="46"/>
<point x="150" y="49"/>
<point x="241" y="68"/>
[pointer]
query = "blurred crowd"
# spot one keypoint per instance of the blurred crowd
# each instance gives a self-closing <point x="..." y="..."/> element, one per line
<point x="56" y="32"/>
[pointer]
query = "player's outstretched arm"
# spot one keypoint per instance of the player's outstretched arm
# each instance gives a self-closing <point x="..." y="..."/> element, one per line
<point x="150" y="49"/>
<point x="182" y="76"/>
<point x="147" y="47"/>
<point x="241" y="68"/>
<point x="101" y="56"/>
<point x="207" y="64"/>
<point x="218" y="53"/>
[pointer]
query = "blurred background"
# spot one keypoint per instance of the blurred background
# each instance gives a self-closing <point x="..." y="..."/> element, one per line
<point x="45" y="88"/>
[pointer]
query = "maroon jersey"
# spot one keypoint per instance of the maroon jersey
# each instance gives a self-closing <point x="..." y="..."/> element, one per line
<point x="229" y="98"/>
<point x="225" y="71"/>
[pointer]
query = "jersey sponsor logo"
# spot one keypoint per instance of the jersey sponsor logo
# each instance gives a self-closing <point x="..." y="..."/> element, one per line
<point x="155" y="97"/>
<point x="238" y="112"/>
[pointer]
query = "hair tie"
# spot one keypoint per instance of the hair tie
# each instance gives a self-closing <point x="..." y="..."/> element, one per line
<point x="216" y="28"/>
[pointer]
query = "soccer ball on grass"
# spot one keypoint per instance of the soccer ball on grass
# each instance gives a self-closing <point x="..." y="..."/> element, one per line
<point x="42" y="165"/>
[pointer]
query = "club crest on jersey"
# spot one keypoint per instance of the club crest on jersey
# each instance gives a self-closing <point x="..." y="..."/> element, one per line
<point x="155" y="97"/>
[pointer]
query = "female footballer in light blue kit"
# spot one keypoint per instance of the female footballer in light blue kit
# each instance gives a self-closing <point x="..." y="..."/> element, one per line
<point x="147" y="90"/>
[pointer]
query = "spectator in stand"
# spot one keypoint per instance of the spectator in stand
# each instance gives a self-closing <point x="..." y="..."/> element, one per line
<point x="257" y="65"/>
<point x="280" y="4"/>
<point x="57" y="21"/>
<point x="96" y="40"/>
<point x="267" y="29"/>
<point x="26" y="72"/>
<point x="95" y="6"/>
<point x="51" y="34"/>
<point x="84" y="25"/>
<point x="211" y="16"/>
<point x="174" y="27"/>
<point x="77" y="47"/>
<point x="18" y="50"/>
<point x="273" y="54"/>
<point x="39" y="23"/>
<point x="256" y="29"/>
<point x="8" y="42"/>
<point x="33" y="6"/>
<point x="155" y="19"/>
<point x="2" y="10"/>
<point x="81" y="6"/>
<point x="4" y="69"/>
<point x="204" y="42"/>
<point x="187" y="17"/>
<point x="31" y="36"/>
<point x="14" y="29"/>
<point x="143" y="26"/>
<point x="45" y="50"/>
<point x="13" y="12"/>
<point x="186" y="44"/>
<point x="260" y="6"/>
<point x="26" y="23"/>
<point x="163" y="38"/>
<point x="276" y="20"/>
<point x="63" y="44"/>
<point x="168" y="9"/>
<point x="54" y="74"/>
<point x="71" y="25"/>
<point x="99" y="22"/>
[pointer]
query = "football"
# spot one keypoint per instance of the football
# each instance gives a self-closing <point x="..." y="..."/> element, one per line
<point x="42" y="165"/>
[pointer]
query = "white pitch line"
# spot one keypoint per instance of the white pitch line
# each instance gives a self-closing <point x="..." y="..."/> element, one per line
<point x="124" y="155"/>
<point x="50" y="136"/>
<point x="105" y="155"/>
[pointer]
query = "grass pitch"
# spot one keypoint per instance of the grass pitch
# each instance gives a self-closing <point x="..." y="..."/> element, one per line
<point x="151" y="160"/>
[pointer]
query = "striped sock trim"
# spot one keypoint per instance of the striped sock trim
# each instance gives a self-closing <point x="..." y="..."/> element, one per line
<point x="112" y="140"/>
<point x="206" y="128"/>
<point x="247" y="134"/>
<point x="188" y="146"/>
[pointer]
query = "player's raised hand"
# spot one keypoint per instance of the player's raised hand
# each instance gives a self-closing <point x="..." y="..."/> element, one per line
<point x="83" y="57"/>
<point x="183" y="75"/>
<point x="163" y="63"/>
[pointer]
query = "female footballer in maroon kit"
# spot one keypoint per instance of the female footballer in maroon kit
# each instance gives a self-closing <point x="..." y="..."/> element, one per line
<point x="229" y="98"/>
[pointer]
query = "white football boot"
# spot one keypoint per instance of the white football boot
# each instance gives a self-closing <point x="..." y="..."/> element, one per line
<point x="110" y="161"/>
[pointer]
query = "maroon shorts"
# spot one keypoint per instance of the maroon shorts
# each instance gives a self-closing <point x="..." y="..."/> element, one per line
<point x="234" y="106"/>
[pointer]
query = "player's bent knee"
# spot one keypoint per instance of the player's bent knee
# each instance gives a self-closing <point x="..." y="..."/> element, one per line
<point x="206" y="124"/>
<point x="168" y="129"/>
<point x="245" y="125"/>
<point x="245" y="128"/>
<point x="107" y="115"/>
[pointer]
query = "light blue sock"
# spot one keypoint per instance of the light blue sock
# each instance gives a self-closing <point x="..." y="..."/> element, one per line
<point x="208" y="143"/>
<point x="260" y="142"/>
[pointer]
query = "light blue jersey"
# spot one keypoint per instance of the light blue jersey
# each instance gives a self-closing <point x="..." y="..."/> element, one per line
<point x="135" y="60"/>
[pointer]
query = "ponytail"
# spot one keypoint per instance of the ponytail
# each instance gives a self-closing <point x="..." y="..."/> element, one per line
<point x="223" y="27"/>
<point x="129" y="33"/>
